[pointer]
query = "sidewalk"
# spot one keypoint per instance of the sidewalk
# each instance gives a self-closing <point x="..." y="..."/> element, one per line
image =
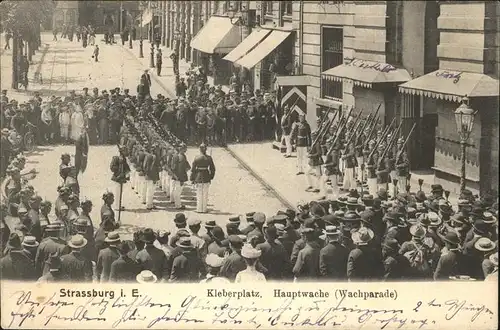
<point x="38" y="61"/>
<point x="270" y="167"/>
<point x="167" y="78"/>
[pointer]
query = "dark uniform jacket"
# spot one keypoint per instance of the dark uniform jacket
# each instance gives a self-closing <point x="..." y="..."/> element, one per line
<point x="332" y="164"/>
<point x="364" y="264"/>
<point x="275" y="258"/>
<point x="187" y="267"/>
<point x="155" y="260"/>
<point x="315" y="158"/>
<point x="307" y="264"/>
<point x="47" y="247"/>
<point x="17" y="266"/>
<point x="179" y="167"/>
<point x="120" y="169"/>
<point x="302" y="131"/>
<point x="203" y="169"/>
<point x="151" y="167"/>
<point x="124" y="269"/>
<point x="76" y="268"/>
<point x="106" y="257"/>
<point x="333" y="261"/>
<point x="449" y="264"/>
<point x="349" y="158"/>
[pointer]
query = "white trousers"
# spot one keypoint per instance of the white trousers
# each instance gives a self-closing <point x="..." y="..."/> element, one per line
<point x="394" y="175"/>
<point x="165" y="183"/>
<point x="372" y="186"/>
<point x="359" y="171"/>
<point x="202" y="197"/>
<point x="117" y="189"/>
<point x="349" y="180"/>
<point x="313" y="176"/>
<point x="402" y="182"/>
<point x="288" y="143"/>
<point x="177" y="192"/>
<point x="301" y="158"/>
<point x="150" y="191"/>
<point x="144" y="189"/>
<point x="64" y="131"/>
<point x="324" y="186"/>
<point x="132" y="177"/>
<point x="171" y="186"/>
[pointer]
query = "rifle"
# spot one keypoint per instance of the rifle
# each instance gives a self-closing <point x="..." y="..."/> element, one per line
<point x="323" y="128"/>
<point x="400" y="151"/>
<point x="339" y="131"/>
<point x="373" y="123"/>
<point x="384" y="134"/>
<point x="291" y="109"/>
<point x="356" y="127"/>
<point x="392" y="141"/>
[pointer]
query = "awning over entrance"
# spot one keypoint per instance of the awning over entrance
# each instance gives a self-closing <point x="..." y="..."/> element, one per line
<point x="292" y="80"/>
<point x="246" y="45"/>
<point x="263" y="49"/>
<point x="452" y="85"/>
<point x="366" y="73"/>
<point x="146" y="17"/>
<point x="217" y="36"/>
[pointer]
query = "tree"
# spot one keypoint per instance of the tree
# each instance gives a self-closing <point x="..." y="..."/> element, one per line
<point x="23" y="18"/>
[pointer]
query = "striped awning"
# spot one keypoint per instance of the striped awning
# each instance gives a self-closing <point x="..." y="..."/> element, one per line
<point x="273" y="40"/>
<point x="452" y="85"/>
<point x="366" y="73"/>
<point x="218" y="35"/>
<point x="247" y="45"/>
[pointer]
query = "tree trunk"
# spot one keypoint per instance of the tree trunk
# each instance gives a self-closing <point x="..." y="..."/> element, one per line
<point x="15" y="56"/>
<point x="30" y="51"/>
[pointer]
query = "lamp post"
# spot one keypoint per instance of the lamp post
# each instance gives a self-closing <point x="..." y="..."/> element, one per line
<point x="141" y="8"/>
<point x="152" y="56"/>
<point x="464" y="118"/>
<point x="130" y="31"/>
<point x="231" y="13"/>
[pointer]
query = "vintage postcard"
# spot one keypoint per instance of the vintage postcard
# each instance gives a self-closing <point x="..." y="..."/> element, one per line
<point x="249" y="164"/>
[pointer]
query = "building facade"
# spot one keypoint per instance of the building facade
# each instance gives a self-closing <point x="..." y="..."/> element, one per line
<point x="413" y="60"/>
<point x="65" y="13"/>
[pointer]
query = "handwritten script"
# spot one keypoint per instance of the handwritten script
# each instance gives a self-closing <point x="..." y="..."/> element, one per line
<point x="449" y="75"/>
<point x="28" y="309"/>
<point x="377" y="66"/>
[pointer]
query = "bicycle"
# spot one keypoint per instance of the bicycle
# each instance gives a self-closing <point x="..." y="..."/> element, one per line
<point x="29" y="137"/>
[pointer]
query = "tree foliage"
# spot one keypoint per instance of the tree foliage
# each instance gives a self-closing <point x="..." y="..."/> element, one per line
<point x="23" y="17"/>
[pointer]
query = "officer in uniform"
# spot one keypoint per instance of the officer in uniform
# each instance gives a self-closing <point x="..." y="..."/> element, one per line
<point x="202" y="173"/>
<point x="315" y="162"/>
<point x="286" y="129"/>
<point x="121" y="173"/>
<point x="371" y="174"/>
<point x="151" y="171"/>
<point x="349" y="158"/>
<point x="331" y="172"/>
<point x="358" y="150"/>
<point x="301" y="134"/>
<point x="402" y="168"/>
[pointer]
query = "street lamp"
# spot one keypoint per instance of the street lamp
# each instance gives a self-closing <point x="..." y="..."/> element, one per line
<point x="231" y="13"/>
<point x="464" y="117"/>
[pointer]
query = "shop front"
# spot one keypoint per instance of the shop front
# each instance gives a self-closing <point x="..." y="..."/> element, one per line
<point x="217" y="38"/>
<point x="442" y="92"/>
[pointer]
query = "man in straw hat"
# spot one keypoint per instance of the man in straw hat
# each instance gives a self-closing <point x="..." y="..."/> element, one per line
<point x="214" y="263"/>
<point x="146" y="277"/>
<point x="74" y="266"/>
<point x="363" y="263"/>
<point x="493" y="275"/>
<point x="107" y="256"/>
<point x="418" y="252"/>
<point x="486" y="247"/>
<point x="187" y="267"/>
<point x="53" y="243"/>
<point x="250" y="273"/>
<point x="333" y="256"/>
<point x="16" y="265"/>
